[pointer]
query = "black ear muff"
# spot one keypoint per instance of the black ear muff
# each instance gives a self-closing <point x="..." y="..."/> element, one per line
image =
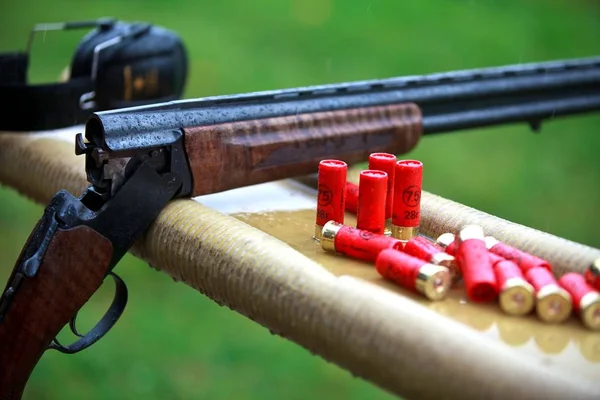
<point x="116" y="65"/>
<point x="132" y="64"/>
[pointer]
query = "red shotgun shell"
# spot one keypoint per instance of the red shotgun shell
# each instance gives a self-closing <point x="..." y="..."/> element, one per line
<point x="372" y="188"/>
<point x="351" y="197"/>
<point x="407" y="199"/>
<point x="386" y="162"/>
<point x="592" y="275"/>
<point x="475" y="265"/>
<point x="524" y="260"/>
<point x="356" y="243"/>
<point x="495" y="258"/>
<point x="422" y="248"/>
<point x="448" y="242"/>
<point x="331" y="195"/>
<point x="433" y="281"/>
<point x="516" y="295"/>
<point x="554" y="304"/>
<point x="586" y="300"/>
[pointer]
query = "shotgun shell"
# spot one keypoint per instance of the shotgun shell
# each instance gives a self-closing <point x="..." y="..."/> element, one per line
<point x="356" y="243"/>
<point x="386" y="162"/>
<point x="372" y="188"/>
<point x="554" y="304"/>
<point x="524" y="260"/>
<point x="433" y="281"/>
<point x="516" y="294"/>
<point x="448" y="242"/>
<point x="592" y="275"/>
<point x="495" y="258"/>
<point x="407" y="199"/>
<point x="422" y="248"/>
<point x="586" y="300"/>
<point x="351" y="197"/>
<point x="475" y="265"/>
<point x="331" y="193"/>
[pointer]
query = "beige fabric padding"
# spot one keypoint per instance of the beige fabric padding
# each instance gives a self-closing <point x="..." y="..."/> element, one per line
<point x="378" y="335"/>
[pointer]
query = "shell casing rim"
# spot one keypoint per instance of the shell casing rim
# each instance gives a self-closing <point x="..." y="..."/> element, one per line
<point x="509" y="288"/>
<point x="490" y="242"/>
<point x="546" y="295"/>
<point x="404" y="233"/>
<point x="443" y="242"/>
<point x="446" y="260"/>
<point x="328" y="234"/>
<point x="588" y="306"/>
<point x="425" y="281"/>
<point x="443" y="259"/>
<point x="471" y="231"/>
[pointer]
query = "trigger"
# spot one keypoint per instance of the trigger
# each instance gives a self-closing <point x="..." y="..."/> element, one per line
<point x="102" y="327"/>
<point x="74" y="327"/>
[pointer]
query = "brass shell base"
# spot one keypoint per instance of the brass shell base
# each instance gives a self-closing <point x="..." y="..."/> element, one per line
<point x="554" y="304"/>
<point x="517" y="297"/>
<point x="404" y="233"/>
<point x="433" y="281"/>
<point x="590" y="310"/>
<point x="328" y="234"/>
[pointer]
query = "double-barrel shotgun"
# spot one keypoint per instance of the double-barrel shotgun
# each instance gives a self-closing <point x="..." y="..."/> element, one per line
<point x="138" y="159"/>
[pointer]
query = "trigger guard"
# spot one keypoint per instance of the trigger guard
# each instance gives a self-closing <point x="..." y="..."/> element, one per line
<point x="103" y="326"/>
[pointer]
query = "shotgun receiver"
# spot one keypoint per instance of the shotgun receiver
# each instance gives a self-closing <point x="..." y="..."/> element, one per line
<point x="138" y="159"/>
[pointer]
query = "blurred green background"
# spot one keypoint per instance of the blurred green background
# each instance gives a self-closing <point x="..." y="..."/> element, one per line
<point x="174" y="343"/>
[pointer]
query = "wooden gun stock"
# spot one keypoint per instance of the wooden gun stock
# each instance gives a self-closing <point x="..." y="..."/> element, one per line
<point x="235" y="154"/>
<point x="72" y="269"/>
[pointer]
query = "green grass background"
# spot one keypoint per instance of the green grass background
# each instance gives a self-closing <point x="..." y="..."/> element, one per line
<point x="173" y="343"/>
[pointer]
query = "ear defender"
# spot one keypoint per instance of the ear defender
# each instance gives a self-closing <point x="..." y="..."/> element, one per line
<point x="116" y="65"/>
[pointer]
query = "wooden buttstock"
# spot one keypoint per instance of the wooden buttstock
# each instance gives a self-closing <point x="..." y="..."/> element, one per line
<point x="72" y="269"/>
<point x="231" y="155"/>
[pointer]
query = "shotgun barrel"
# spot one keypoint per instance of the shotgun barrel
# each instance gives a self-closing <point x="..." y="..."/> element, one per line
<point x="449" y="101"/>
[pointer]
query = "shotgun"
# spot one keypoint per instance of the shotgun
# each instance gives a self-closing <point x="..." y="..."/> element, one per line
<point x="138" y="159"/>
